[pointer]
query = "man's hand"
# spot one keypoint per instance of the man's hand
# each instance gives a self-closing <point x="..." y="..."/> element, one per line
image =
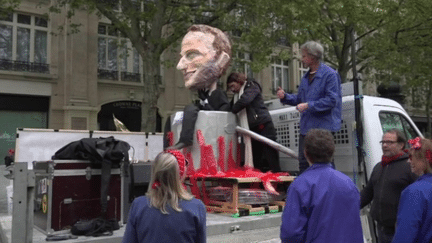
<point x="280" y="93"/>
<point x="302" y="107"/>
<point x="202" y="94"/>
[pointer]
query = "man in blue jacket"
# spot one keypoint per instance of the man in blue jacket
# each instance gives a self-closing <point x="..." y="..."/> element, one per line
<point x="319" y="97"/>
<point x="322" y="203"/>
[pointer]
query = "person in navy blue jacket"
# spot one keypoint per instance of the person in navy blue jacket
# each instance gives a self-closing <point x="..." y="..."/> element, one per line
<point x="168" y="213"/>
<point x="414" y="220"/>
<point x="265" y="157"/>
<point x="322" y="204"/>
<point x="319" y="97"/>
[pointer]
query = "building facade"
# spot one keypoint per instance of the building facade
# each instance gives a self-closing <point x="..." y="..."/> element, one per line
<point x="53" y="77"/>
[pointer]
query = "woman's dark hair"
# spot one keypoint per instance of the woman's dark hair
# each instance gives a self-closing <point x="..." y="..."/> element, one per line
<point x="236" y="77"/>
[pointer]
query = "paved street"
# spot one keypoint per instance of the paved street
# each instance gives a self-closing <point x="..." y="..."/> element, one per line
<point x="262" y="235"/>
<point x="268" y="235"/>
<point x="4" y="182"/>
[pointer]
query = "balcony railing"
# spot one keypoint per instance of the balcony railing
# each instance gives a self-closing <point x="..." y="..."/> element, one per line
<point x="21" y="66"/>
<point x="131" y="77"/>
<point x="114" y="75"/>
<point x="107" y="74"/>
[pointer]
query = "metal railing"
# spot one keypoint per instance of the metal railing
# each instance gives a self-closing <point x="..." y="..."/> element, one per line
<point x="22" y="66"/>
<point x="114" y="75"/>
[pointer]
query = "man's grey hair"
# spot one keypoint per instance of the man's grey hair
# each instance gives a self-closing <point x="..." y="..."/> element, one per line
<point x="313" y="48"/>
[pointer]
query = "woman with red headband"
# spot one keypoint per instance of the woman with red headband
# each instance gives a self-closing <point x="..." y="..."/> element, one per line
<point x="414" y="221"/>
<point x="168" y="213"/>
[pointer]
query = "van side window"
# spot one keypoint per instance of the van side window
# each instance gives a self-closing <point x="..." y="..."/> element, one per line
<point x="391" y="120"/>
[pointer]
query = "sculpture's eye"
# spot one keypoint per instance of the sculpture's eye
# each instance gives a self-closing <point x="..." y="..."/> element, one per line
<point x="192" y="55"/>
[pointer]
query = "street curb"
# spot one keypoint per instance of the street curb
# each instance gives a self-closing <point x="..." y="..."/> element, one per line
<point x="243" y="224"/>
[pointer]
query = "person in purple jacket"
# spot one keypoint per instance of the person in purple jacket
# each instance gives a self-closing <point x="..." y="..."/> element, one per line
<point x="414" y="220"/>
<point x="168" y="213"/>
<point x="322" y="204"/>
<point x="319" y="97"/>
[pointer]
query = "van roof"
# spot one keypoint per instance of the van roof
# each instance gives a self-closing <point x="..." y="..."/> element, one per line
<point x="375" y="101"/>
<point x="275" y="104"/>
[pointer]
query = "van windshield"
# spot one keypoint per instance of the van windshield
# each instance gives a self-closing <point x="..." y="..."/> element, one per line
<point x="390" y="120"/>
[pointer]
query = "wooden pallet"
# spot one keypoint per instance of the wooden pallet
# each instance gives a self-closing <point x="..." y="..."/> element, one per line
<point x="247" y="210"/>
<point x="237" y="209"/>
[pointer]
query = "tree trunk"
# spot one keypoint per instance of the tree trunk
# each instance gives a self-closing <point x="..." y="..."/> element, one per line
<point x="151" y="92"/>
<point x="343" y="74"/>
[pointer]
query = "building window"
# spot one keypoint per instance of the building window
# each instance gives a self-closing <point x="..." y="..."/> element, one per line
<point x="117" y="59"/>
<point x="280" y="74"/>
<point x="242" y="62"/>
<point x="303" y="70"/>
<point x="24" y="43"/>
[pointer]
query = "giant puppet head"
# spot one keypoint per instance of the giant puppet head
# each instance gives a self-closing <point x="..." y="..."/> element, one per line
<point x="205" y="56"/>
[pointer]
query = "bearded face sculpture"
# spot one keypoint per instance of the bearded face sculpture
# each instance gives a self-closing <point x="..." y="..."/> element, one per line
<point x="205" y="56"/>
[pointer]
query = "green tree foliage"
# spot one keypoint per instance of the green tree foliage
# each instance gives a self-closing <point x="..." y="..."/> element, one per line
<point x="7" y="6"/>
<point x="331" y="23"/>
<point x="257" y="30"/>
<point x="403" y="50"/>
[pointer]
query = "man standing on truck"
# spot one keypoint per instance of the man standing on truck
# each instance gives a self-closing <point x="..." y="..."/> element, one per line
<point x="387" y="181"/>
<point x="322" y="203"/>
<point x="319" y="97"/>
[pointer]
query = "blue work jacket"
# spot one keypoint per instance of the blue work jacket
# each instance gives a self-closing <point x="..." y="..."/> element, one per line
<point x="414" y="220"/>
<point x="324" y="98"/>
<point x="322" y="205"/>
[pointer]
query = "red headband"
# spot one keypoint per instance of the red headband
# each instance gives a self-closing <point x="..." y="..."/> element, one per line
<point x="416" y="145"/>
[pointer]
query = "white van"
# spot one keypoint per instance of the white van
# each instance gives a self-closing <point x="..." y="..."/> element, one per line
<point x="378" y="115"/>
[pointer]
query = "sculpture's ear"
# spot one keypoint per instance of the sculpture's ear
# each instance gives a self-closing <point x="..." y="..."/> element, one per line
<point x="223" y="60"/>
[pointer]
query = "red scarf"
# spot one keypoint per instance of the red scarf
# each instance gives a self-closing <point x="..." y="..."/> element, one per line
<point x="388" y="160"/>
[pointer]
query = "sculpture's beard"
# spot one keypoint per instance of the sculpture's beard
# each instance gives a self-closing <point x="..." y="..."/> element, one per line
<point x="204" y="76"/>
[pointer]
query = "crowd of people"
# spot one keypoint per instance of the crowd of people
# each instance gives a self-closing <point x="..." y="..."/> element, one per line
<point x="322" y="204"/>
